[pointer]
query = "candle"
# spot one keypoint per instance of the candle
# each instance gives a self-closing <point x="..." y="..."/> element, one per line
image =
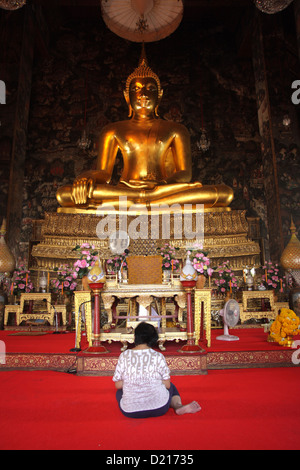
<point x="230" y="286"/>
<point x="26" y="279"/>
<point x="280" y="285"/>
<point x="62" y="288"/>
<point x="266" y="274"/>
<point x="11" y="288"/>
<point x="48" y="282"/>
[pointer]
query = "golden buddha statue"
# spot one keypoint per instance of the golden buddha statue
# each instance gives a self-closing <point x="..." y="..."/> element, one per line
<point x="157" y="163"/>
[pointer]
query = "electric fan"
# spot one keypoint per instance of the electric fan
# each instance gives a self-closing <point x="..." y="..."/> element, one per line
<point x="231" y="315"/>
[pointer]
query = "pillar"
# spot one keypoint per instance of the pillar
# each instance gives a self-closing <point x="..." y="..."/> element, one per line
<point x="276" y="244"/>
<point x="16" y="181"/>
<point x="297" y="21"/>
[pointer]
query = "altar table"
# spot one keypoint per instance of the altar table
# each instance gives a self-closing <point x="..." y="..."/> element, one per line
<point x="247" y="311"/>
<point x="48" y="314"/>
<point x="144" y="295"/>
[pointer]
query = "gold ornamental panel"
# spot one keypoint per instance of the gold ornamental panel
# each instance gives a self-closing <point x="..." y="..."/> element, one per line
<point x="83" y="299"/>
<point x="203" y="297"/>
<point x="225" y="237"/>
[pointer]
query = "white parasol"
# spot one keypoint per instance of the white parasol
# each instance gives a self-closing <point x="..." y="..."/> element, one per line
<point x="142" y="20"/>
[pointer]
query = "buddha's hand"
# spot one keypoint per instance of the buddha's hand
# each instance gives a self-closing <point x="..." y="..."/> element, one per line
<point x="82" y="190"/>
<point x="140" y="184"/>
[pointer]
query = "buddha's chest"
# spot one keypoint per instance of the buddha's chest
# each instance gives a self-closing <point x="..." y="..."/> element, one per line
<point x="144" y="140"/>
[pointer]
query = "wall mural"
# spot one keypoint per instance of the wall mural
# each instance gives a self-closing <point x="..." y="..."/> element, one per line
<point x="102" y="60"/>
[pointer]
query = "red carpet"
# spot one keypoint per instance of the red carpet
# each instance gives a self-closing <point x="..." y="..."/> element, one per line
<point x="47" y="343"/>
<point x="251" y="339"/>
<point x="242" y="409"/>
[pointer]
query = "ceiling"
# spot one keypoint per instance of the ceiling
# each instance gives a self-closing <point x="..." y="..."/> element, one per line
<point x="228" y="12"/>
<point x="233" y="16"/>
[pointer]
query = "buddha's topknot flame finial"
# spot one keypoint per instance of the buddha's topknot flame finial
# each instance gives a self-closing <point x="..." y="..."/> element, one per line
<point x="143" y="71"/>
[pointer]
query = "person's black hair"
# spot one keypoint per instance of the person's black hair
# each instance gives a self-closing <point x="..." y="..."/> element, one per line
<point x="145" y="334"/>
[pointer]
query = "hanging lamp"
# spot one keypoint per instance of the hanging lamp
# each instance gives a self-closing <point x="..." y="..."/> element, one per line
<point x="12" y="4"/>
<point x="272" y="6"/>
<point x="84" y="142"/>
<point x="203" y="143"/>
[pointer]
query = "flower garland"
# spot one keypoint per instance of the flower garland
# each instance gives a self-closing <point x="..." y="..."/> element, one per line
<point x="200" y="261"/>
<point x="271" y="279"/>
<point x="227" y="281"/>
<point x="88" y="258"/>
<point x="21" y="282"/>
<point x="65" y="281"/>
<point x="169" y="259"/>
<point x="287" y="323"/>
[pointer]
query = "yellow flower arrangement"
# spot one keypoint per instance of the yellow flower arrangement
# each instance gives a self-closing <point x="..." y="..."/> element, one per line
<point x="286" y="324"/>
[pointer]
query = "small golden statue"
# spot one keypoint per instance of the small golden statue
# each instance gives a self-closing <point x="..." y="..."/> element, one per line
<point x="157" y="163"/>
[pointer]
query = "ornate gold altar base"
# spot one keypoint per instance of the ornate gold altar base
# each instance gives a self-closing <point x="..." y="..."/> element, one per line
<point x="225" y="237"/>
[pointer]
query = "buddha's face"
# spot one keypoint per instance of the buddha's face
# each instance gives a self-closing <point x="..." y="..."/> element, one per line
<point x="143" y="95"/>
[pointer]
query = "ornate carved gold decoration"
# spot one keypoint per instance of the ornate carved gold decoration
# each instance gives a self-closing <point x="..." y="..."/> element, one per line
<point x="290" y="258"/>
<point x="83" y="298"/>
<point x="7" y="260"/>
<point x="225" y="237"/>
<point x="203" y="295"/>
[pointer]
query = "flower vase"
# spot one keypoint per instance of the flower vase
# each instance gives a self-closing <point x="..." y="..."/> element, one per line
<point x="124" y="276"/>
<point x="200" y="282"/>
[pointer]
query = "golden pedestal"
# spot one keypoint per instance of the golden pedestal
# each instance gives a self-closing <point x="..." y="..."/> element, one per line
<point x="225" y="238"/>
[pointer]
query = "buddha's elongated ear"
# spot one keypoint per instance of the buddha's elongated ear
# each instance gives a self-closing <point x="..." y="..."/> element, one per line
<point x="158" y="103"/>
<point x="126" y="96"/>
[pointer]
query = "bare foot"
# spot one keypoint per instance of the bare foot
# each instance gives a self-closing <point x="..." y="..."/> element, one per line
<point x="192" y="407"/>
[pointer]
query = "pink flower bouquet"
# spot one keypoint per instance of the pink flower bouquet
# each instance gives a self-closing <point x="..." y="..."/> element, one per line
<point x="88" y="257"/>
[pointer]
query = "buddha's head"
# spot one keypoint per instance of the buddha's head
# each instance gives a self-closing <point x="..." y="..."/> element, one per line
<point x="143" y="89"/>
